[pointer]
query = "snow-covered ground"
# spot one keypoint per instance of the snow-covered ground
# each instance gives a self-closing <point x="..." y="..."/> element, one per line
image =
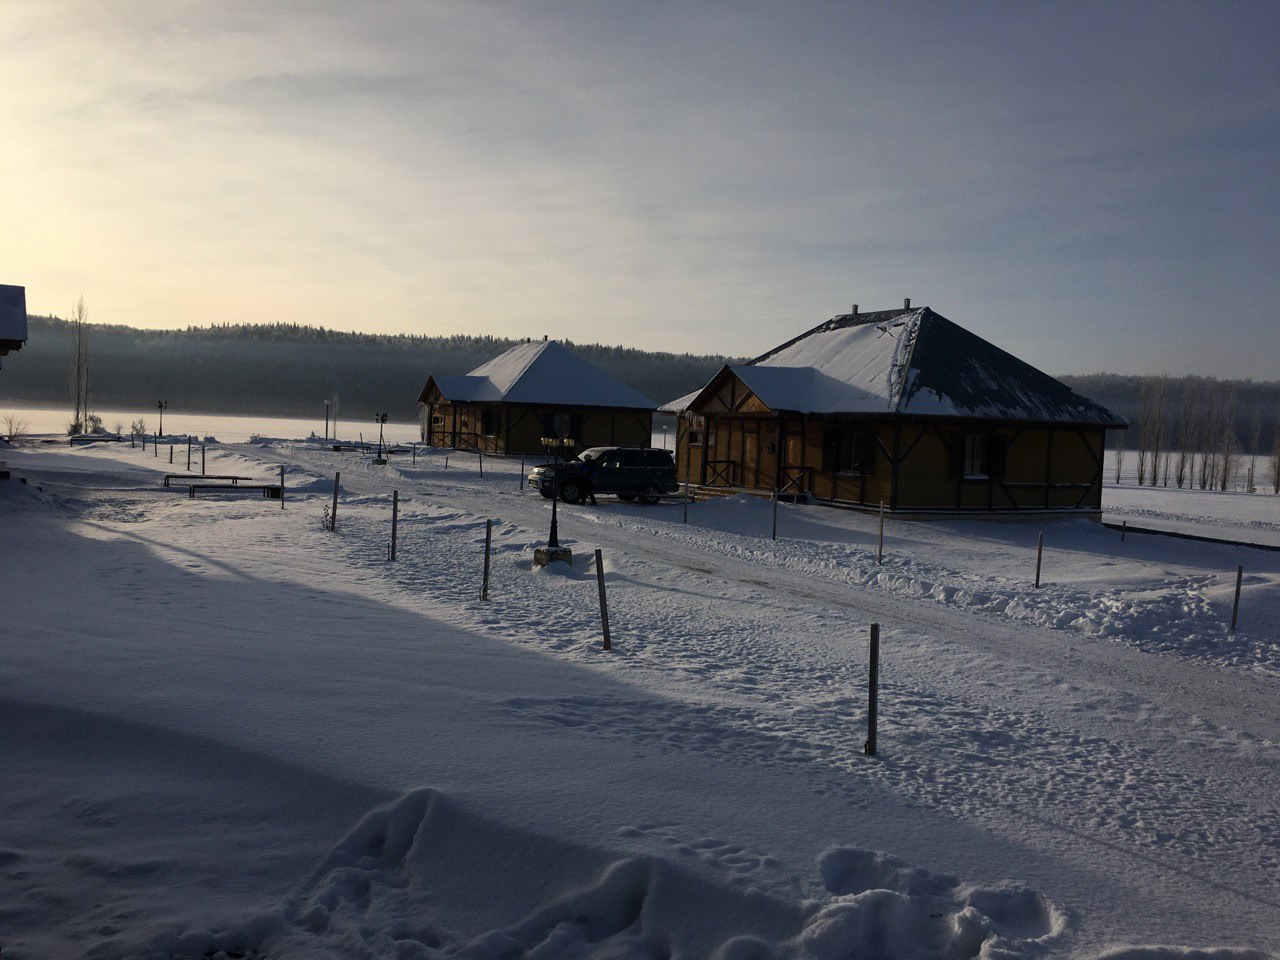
<point x="226" y="731"/>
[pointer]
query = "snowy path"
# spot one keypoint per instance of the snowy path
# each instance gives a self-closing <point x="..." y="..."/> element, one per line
<point x="1104" y="775"/>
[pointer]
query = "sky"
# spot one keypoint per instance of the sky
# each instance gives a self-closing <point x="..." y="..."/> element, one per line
<point x="1093" y="187"/>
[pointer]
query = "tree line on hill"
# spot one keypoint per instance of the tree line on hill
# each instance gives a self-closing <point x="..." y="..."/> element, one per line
<point x="285" y="369"/>
<point x="1194" y="432"/>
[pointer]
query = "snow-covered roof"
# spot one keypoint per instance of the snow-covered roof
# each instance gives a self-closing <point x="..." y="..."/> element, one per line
<point x="539" y="372"/>
<point x="13" y="317"/>
<point x="913" y="362"/>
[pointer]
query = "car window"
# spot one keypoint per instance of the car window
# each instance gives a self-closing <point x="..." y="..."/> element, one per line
<point x="657" y="458"/>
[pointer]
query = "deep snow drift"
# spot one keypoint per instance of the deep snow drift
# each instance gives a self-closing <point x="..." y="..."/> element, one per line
<point x="229" y="732"/>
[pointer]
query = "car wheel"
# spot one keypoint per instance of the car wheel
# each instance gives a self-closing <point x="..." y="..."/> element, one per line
<point x="650" y="495"/>
<point x="546" y="493"/>
<point x="570" y="492"/>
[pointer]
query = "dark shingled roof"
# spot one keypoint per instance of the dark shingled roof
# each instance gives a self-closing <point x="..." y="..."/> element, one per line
<point x="910" y="362"/>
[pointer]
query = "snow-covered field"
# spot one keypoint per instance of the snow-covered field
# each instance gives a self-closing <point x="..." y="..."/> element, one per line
<point x="228" y="732"/>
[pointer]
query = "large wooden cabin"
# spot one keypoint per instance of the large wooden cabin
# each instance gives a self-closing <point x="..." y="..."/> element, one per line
<point x="902" y="407"/>
<point x="535" y="390"/>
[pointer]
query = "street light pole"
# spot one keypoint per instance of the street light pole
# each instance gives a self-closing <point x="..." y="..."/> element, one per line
<point x="380" y="419"/>
<point x="161" y="404"/>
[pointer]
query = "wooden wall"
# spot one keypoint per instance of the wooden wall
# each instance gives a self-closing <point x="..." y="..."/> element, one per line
<point x="914" y="466"/>
<point x="519" y="429"/>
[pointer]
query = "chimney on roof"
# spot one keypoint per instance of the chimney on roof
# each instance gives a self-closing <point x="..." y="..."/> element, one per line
<point x="906" y="303"/>
<point x="544" y="338"/>
<point x="854" y="312"/>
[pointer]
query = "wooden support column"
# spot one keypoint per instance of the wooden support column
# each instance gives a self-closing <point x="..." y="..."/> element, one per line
<point x="1048" y="467"/>
<point x="894" y="465"/>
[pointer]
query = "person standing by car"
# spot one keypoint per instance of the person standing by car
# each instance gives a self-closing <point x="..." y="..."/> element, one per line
<point x="588" y="488"/>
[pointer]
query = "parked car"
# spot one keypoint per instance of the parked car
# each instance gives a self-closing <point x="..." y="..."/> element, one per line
<point x="630" y="473"/>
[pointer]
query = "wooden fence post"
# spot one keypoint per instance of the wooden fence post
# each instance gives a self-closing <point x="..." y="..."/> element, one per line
<point x="395" y="523"/>
<point x="1235" y="607"/>
<point x="488" y="543"/>
<point x="873" y="693"/>
<point x="1039" y="557"/>
<point x="604" y="605"/>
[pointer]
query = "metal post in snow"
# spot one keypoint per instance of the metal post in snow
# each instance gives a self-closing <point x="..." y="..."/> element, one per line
<point x="775" y="514"/>
<point x="1235" y="608"/>
<point x="446" y="461"/>
<point x="604" y="605"/>
<point x="202" y="459"/>
<point x="395" y="523"/>
<point x="488" y="544"/>
<point x="1039" y="556"/>
<point x="880" y="547"/>
<point x="481" y="452"/>
<point x="188" y="453"/>
<point x="171" y="453"/>
<point x="522" y="473"/>
<point x="1124" y="526"/>
<point x="282" y="486"/>
<point x="155" y="445"/>
<point x="873" y="692"/>
<point x="333" y="510"/>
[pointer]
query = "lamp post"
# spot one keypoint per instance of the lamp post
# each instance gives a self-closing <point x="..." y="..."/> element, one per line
<point x="664" y="436"/>
<point x="326" y="419"/>
<point x="380" y="419"/>
<point x="161" y="405"/>
<point x="553" y="551"/>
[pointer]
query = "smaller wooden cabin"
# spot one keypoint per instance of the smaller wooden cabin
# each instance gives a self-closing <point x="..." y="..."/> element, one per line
<point x="534" y="390"/>
<point x="13" y="318"/>
<point x="902" y="407"/>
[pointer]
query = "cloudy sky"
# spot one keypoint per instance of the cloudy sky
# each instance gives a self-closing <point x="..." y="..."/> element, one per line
<point x="1091" y="186"/>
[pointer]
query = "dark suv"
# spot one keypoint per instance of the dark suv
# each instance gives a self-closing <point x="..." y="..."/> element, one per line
<point x="629" y="472"/>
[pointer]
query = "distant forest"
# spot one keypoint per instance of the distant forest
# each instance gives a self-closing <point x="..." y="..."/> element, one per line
<point x="287" y="369"/>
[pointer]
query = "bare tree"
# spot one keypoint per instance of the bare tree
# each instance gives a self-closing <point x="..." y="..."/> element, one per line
<point x="1120" y="444"/>
<point x="1188" y="413"/>
<point x="1227" y="442"/>
<point x="1255" y="445"/>
<point x="13" y="427"/>
<point x="78" y="379"/>
<point x="1151" y="428"/>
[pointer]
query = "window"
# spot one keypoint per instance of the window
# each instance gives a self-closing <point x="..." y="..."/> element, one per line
<point x="437" y="420"/>
<point x="975" y="455"/>
<point x="849" y="451"/>
<point x="696" y="427"/>
<point x="979" y="456"/>
<point x="489" y="422"/>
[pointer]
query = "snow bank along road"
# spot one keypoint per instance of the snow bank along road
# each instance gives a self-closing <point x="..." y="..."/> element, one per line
<point x="229" y="730"/>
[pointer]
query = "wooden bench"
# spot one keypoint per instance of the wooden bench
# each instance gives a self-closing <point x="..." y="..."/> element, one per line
<point x="202" y="476"/>
<point x="269" y="490"/>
